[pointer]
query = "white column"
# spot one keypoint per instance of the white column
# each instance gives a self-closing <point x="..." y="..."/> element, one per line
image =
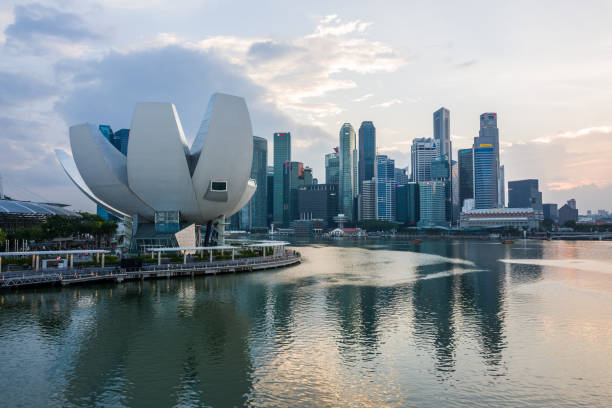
<point x="71" y="261"/>
<point x="0" y="264"/>
<point x="37" y="262"/>
<point x="158" y="258"/>
<point x="103" y="260"/>
<point x="97" y="257"/>
<point x="233" y="252"/>
<point x="210" y="253"/>
<point x="184" y="257"/>
<point x="264" y="252"/>
<point x="33" y="262"/>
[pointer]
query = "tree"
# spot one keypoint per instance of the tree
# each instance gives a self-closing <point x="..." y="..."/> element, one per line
<point x="2" y="236"/>
<point x="548" y="224"/>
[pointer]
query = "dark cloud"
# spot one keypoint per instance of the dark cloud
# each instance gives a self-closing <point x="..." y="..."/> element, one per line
<point x="35" y="19"/>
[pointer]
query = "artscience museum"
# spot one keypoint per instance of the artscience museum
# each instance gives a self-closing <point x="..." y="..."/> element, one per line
<point x="165" y="191"/>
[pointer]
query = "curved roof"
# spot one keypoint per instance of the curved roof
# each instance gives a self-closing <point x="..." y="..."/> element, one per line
<point x="31" y="208"/>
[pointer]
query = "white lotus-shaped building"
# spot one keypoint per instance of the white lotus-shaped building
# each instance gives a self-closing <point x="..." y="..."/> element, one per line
<point x="162" y="184"/>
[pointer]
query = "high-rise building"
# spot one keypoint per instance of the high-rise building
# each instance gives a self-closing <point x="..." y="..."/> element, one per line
<point x="485" y="177"/>
<point x="367" y="200"/>
<point x="551" y="212"/>
<point x="367" y="152"/>
<point x="282" y="155"/>
<point x="308" y="180"/>
<point x="568" y="212"/>
<point x="407" y="203"/>
<point x="122" y="137"/>
<point x="385" y="188"/>
<point x="348" y="169"/>
<point x="259" y="172"/>
<point x="422" y="152"/>
<point x="432" y="203"/>
<point x="441" y="123"/>
<point x="466" y="175"/>
<point x="524" y="194"/>
<point x="318" y="201"/>
<point x="332" y="167"/>
<point x="293" y="178"/>
<point x="456" y="208"/>
<point x="488" y="136"/>
<point x="270" y="194"/>
<point x="401" y="177"/>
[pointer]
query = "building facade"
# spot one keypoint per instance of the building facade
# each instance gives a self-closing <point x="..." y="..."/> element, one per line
<point x="318" y="202"/>
<point x="367" y="152"/>
<point x="524" y="194"/>
<point x="259" y="172"/>
<point x="432" y="204"/>
<point x="282" y="155"/>
<point x="422" y="152"/>
<point x="348" y="171"/>
<point x="407" y="203"/>
<point x="367" y="200"/>
<point x="466" y="175"/>
<point x="568" y="212"/>
<point x="521" y="218"/>
<point x="485" y="177"/>
<point x="332" y="168"/>
<point x="551" y="212"/>
<point x="385" y="188"/>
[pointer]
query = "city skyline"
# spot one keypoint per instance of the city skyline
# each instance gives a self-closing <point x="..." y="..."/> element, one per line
<point x="65" y="62"/>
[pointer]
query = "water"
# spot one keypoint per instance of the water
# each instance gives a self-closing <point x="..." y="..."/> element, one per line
<point x="374" y="323"/>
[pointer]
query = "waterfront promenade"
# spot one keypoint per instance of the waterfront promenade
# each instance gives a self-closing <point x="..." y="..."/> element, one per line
<point x="71" y="276"/>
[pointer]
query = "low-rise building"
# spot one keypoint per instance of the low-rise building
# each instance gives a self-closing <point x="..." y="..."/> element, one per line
<point x="523" y="218"/>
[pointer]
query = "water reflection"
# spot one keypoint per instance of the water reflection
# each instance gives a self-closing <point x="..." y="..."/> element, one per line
<point x="362" y="324"/>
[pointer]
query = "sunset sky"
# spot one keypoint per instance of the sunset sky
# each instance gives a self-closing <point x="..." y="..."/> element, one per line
<point x="307" y="67"/>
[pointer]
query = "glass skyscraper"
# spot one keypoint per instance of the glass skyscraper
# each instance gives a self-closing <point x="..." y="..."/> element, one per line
<point x="441" y="122"/>
<point x="385" y="188"/>
<point x="432" y="203"/>
<point x="348" y="170"/>
<point x="282" y="155"/>
<point x="407" y="203"/>
<point x="422" y="152"/>
<point x="485" y="177"/>
<point x="367" y="152"/>
<point x="466" y="175"/>
<point x="332" y="168"/>
<point x="259" y="170"/>
<point x="524" y="194"/>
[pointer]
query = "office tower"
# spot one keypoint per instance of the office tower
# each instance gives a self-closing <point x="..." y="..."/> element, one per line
<point x="456" y="208"/>
<point x="568" y="212"/>
<point x="259" y="170"/>
<point x="308" y="180"/>
<point x="441" y="123"/>
<point x="270" y="194"/>
<point x="488" y="137"/>
<point x="441" y="171"/>
<point x="367" y="152"/>
<point x="332" y="167"/>
<point x="466" y="175"/>
<point x="432" y="203"/>
<point x="485" y="176"/>
<point x="385" y="188"/>
<point x="401" y="177"/>
<point x="367" y="200"/>
<point x="293" y="178"/>
<point x="502" y="187"/>
<point x="551" y="212"/>
<point x="122" y="137"/>
<point x="422" y="152"/>
<point x="524" y="194"/>
<point x="407" y="203"/>
<point x="318" y="201"/>
<point x="348" y="165"/>
<point x="282" y="155"/>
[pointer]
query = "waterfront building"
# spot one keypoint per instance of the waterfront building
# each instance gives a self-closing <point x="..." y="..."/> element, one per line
<point x="367" y="152"/>
<point x="15" y="214"/>
<point x="485" y="176"/>
<point x="551" y="212"/>
<point x="259" y="170"/>
<point x="568" y="212"/>
<point x="348" y="171"/>
<point x="282" y="155"/>
<point x="385" y="188"/>
<point x="524" y="194"/>
<point x="466" y="175"/>
<point x="293" y="178"/>
<point x="367" y="200"/>
<point x="318" y="202"/>
<point x="422" y="152"/>
<point x="407" y="203"/>
<point x="432" y="204"/>
<point x="522" y="218"/>
<point x="332" y="167"/>
<point x="401" y="177"/>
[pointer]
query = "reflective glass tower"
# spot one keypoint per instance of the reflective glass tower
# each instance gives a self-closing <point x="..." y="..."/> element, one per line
<point x="491" y="191"/>
<point x="348" y="170"/>
<point x="332" y="168"/>
<point x="367" y="152"/>
<point x="282" y="154"/>
<point x="385" y="188"/>
<point x="259" y="170"/>
<point x="466" y="175"/>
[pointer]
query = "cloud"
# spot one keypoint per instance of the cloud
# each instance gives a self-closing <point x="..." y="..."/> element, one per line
<point x="34" y="19"/>
<point x="602" y="130"/>
<point x="465" y="64"/>
<point x="363" y="98"/>
<point x="387" y="104"/>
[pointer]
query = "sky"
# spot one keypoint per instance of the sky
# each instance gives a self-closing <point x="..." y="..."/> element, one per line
<point x="308" y="67"/>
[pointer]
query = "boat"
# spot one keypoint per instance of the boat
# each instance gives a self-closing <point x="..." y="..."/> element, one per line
<point x="507" y="241"/>
<point x="416" y="241"/>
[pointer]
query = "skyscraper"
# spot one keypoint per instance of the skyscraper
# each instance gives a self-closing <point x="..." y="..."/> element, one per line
<point x="308" y="180"/>
<point x="367" y="200"/>
<point x="282" y="154"/>
<point x="367" y="152"/>
<point x="407" y="203"/>
<point x="259" y="171"/>
<point x="348" y="166"/>
<point x="270" y="194"/>
<point x="318" y="201"/>
<point x="332" y="167"/>
<point x="293" y="177"/>
<point x="401" y="177"/>
<point x="422" y="152"/>
<point x="466" y="175"/>
<point x="551" y="212"/>
<point x="122" y="137"/>
<point x="385" y="188"/>
<point x="524" y="194"/>
<point x="441" y="123"/>
<point x="432" y="203"/>
<point x="485" y="176"/>
<point x="488" y="138"/>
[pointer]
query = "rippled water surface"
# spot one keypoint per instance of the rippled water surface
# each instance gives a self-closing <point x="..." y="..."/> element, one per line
<point x="364" y="324"/>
